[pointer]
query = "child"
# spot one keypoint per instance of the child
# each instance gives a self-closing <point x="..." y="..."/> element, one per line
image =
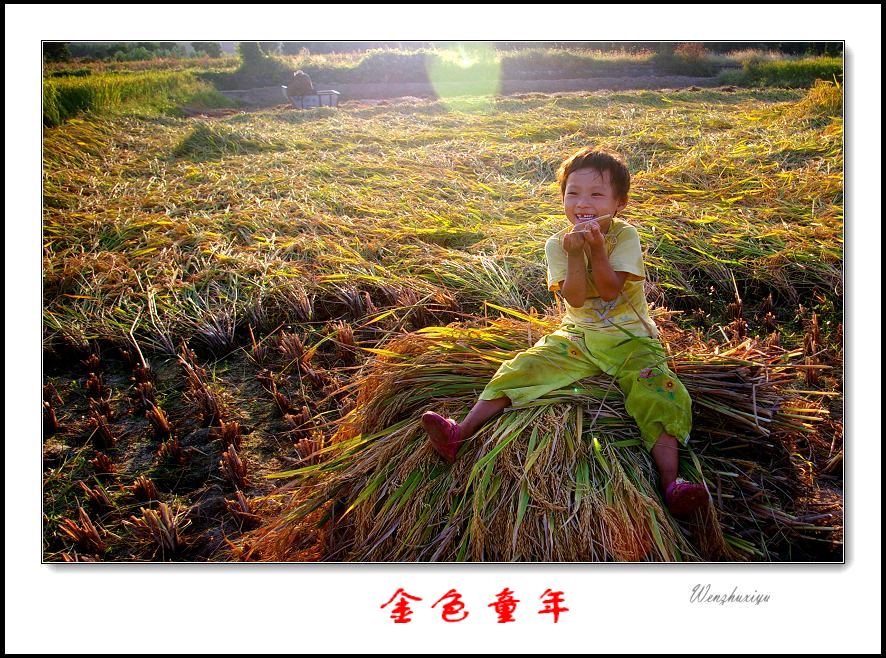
<point x="596" y="265"/>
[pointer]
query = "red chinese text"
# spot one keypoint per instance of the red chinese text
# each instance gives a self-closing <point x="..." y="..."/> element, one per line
<point x="401" y="611"/>
<point x="552" y="604"/>
<point x="504" y="605"/>
<point x="453" y="608"/>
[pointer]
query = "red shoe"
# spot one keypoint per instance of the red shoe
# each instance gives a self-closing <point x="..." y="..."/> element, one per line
<point x="443" y="434"/>
<point x="684" y="498"/>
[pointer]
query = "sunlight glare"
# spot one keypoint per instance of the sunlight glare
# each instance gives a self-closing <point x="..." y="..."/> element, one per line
<point x="465" y="76"/>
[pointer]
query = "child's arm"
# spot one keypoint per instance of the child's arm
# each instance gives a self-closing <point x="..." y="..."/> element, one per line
<point x="609" y="283"/>
<point x="574" y="287"/>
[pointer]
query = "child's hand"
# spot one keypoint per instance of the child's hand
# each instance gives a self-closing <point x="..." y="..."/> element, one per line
<point x="573" y="242"/>
<point x="594" y="236"/>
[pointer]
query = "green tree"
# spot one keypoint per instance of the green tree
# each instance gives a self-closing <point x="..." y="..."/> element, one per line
<point x="137" y="54"/>
<point x="250" y="52"/>
<point x="292" y="47"/>
<point x="270" y="47"/>
<point x="211" y="48"/>
<point x="56" y="51"/>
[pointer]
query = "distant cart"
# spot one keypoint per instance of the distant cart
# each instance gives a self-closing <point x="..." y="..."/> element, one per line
<point x="323" y="98"/>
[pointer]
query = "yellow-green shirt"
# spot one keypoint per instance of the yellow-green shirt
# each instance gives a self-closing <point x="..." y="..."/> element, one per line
<point x="629" y="310"/>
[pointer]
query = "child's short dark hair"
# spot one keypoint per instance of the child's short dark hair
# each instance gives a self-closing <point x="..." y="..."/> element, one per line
<point x="592" y="158"/>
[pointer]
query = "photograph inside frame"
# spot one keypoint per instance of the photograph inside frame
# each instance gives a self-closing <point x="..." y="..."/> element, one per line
<point x="442" y="301"/>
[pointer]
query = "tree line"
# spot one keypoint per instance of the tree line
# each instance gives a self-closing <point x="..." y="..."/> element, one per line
<point x="127" y="51"/>
<point x="63" y="51"/>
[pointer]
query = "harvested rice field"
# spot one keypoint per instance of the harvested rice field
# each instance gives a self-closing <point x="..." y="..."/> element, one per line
<point x="245" y="315"/>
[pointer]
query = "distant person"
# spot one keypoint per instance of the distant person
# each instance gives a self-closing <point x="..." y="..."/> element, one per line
<point x="300" y="86"/>
<point x="596" y="265"/>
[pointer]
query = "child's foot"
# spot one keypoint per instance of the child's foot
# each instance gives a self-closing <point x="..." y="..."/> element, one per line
<point x="443" y="433"/>
<point x="683" y="498"/>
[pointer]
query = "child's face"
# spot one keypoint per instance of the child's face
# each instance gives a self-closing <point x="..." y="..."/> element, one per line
<point x="588" y="195"/>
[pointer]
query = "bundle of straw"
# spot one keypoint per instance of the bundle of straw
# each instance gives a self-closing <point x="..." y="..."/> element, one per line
<point x="564" y="478"/>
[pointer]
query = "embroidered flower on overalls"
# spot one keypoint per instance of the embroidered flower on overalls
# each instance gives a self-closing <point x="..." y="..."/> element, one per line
<point x="578" y="340"/>
<point x="669" y="386"/>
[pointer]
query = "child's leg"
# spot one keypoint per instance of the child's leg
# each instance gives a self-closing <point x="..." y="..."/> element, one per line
<point x="446" y="435"/>
<point x="482" y="411"/>
<point x="682" y="497"/>
<point x="666" y="453"/>
<point x="556" y="360"/>
<point x="660" y="404"/>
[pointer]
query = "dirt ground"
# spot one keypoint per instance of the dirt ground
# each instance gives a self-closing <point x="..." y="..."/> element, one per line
<point x="393" y="90"/>
<point x="373" y="92"/>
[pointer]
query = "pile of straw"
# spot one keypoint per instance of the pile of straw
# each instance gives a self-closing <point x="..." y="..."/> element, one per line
<point x="564" y="478"/>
